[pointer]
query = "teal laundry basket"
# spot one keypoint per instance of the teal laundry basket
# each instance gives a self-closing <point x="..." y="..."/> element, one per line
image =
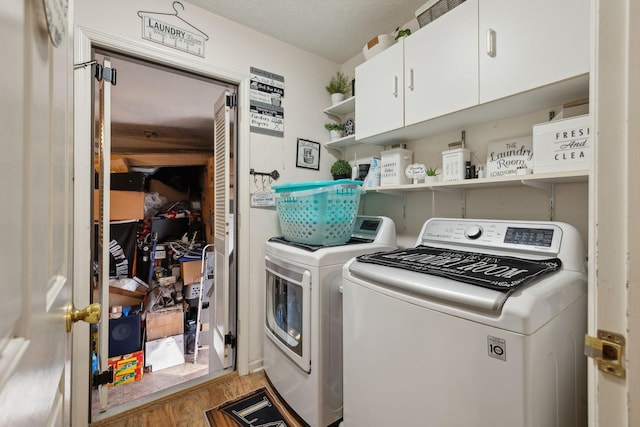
<point x="318" y="212"/>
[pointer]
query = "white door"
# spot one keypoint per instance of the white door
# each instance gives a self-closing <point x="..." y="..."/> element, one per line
<point x="525" y="44"/>
<point x="36" y="173"/>
<point x="379" y="93"/>
<point x="224" y="237"/>
<point x="441" y="65"/>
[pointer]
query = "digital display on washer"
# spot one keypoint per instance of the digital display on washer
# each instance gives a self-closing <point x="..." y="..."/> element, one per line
<point x="369" y="225"/>
<point x="529" y="236"/>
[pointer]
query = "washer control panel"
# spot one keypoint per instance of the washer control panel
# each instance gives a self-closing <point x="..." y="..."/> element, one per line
<point x="519" y="235"/>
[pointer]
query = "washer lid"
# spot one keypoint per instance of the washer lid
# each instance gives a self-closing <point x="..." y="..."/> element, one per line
<point x="500" y="272"/>
<point x="434" y="288"/>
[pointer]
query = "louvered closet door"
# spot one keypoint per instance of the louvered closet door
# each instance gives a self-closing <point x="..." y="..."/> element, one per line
<point x="223" y="236"/>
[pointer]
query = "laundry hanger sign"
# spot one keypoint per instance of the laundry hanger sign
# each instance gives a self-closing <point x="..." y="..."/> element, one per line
<point x="170" y="29"/>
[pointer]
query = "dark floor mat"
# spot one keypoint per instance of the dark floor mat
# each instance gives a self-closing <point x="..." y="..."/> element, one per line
<point x="257" y="409"/>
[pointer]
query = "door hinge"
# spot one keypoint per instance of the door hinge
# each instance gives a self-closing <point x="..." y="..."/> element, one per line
<point x="232" y="100"/>
<point x="102" y="378"/>
<point x="607" y="349"/>
<point x="230" y="339"/>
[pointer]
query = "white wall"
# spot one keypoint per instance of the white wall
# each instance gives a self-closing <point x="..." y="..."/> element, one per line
<point x="235" y="48"/>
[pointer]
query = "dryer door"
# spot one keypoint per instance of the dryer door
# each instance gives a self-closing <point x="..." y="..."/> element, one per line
<point x="288" y="310"/>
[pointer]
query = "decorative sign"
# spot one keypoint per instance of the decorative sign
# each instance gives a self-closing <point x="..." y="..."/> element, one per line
<point x="173" y="36"/>
<point x="308" y="154"/>
<point x="265" y="104"/>
<point x="416" y="171"/>
<point x="261" y="200"/>
<point x="505" y="157"/>
<point x="562" y="145"/>
<point x="56" y="12"/>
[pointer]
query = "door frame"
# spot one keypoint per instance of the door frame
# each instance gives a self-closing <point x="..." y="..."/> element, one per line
<point x="614" y="201"/>
<point x="85" y="39"/>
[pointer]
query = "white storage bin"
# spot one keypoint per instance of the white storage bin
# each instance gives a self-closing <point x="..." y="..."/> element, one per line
<point x="562" y="145"/>
<point x="393" y="163"/>
<point x="454" y="164"/>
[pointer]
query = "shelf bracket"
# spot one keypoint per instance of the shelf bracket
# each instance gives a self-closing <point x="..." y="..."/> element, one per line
<point x="541" y="185"/>
<point x="547" y="188"/>
<point x="336" y="149"/>
<point x="463" y="203"/>
<point x="446" y="190"/>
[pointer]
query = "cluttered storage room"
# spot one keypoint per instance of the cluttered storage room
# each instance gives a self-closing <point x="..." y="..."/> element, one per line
<point x="153" y="247"/>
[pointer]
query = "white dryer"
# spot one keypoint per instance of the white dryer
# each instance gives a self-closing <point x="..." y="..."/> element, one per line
<point x="482" y="323"/>
<point x="303" y="320"/>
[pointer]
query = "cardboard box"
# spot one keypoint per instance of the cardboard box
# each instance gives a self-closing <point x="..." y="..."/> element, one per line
<point x="127" y="368"/>
<point x="190" y="271"/>
<point x="169" y="193"/>
<point x="164" y="324"/>
<point x="562" y="145"/>
<point x="124" y="205"/>
<point x="165" y="352"/>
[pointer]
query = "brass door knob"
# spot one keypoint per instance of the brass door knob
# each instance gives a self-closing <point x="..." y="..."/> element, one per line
<point x="89" y="314"/>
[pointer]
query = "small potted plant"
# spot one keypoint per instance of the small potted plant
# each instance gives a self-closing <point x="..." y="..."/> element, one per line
<point x="402" y="32"/>
<point x="338" y="87"/>
<point x="335" y="129"/>
<point x="432" y="175"/>
<point x="341" y="169"/>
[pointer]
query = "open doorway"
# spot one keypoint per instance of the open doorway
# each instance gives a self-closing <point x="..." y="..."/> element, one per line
<point x="161" y="155"/>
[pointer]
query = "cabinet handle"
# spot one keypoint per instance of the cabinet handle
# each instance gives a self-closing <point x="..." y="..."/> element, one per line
<point x="491" y="43"/>
<point x="411" y="79"/>
<point x="395" y="86"/>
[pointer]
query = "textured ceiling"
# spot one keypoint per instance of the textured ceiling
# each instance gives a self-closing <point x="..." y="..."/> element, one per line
<point x="143" y="120"/>
<point x="334" y="29"/>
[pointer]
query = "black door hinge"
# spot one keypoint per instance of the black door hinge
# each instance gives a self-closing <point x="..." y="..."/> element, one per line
<point x="230" y="339"/>
<point x="102" y="378"/>
<point x="232" y="100"/>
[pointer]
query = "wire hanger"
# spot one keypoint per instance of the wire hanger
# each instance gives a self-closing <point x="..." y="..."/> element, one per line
<point x="141" y="12"/>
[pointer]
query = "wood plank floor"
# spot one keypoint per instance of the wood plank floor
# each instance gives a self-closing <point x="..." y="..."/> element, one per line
<point x="187" y="407"/>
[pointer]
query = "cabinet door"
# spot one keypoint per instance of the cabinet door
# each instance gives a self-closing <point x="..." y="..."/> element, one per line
<point x="441" y="65"/>
<point x="526" y="44"/>
<point x="379" y="93"/>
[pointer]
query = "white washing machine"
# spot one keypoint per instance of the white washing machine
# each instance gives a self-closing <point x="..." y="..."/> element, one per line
<point x="303" y="318"/>
<point x="482" y="323"/>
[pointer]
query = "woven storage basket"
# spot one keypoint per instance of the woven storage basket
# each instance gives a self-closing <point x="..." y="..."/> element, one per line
<point x="318" y="212"/>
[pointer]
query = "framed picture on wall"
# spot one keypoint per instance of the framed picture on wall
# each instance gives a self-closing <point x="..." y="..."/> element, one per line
<point x="308" y="154"/>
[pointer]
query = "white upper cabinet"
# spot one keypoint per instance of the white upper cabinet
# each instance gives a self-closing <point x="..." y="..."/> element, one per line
<point x="484" y="60"/>
<point x="441" y="65"/>
<point x="380" y="93"/>
<point x="526" y="44"/>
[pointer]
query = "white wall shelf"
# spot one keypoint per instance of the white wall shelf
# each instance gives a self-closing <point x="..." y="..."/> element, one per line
<point x="541" y="181"/>
<point x="341" y="108"/>
<point x="338" y="111"/>
<point x="340" y="143"/>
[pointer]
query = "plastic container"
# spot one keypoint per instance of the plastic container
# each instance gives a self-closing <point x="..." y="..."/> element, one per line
<point x="394" y="162"/>
<point x="454" y="163"/>
<point x="318" y="212"/>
